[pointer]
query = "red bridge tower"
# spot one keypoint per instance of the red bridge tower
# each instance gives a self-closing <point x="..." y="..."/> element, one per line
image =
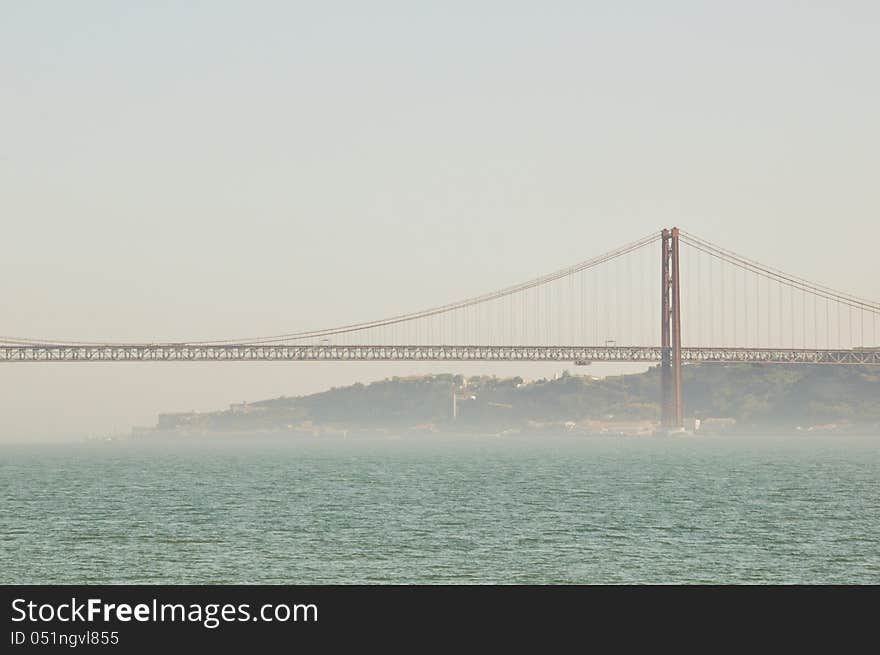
<point x="670" y="332"/>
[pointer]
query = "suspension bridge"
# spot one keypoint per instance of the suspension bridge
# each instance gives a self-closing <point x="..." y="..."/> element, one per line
<point x="724" y="308"/>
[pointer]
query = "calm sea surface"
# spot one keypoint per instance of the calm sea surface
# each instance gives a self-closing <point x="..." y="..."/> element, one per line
<point x="408" y="510"/>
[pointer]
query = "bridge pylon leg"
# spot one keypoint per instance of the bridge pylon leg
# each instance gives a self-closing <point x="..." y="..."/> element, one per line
<point x="670" y="332"/>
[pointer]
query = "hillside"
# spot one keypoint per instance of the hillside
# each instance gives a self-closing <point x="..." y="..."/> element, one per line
<point x="753" y="395"/>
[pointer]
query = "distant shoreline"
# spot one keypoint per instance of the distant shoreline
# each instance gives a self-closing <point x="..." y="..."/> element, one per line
<point x="722" y="399"/>
<point x="367" y="433"/>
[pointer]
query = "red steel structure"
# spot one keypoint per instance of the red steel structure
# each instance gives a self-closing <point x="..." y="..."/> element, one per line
<point x="602" y="309"/>
<point x="670" y="331"/>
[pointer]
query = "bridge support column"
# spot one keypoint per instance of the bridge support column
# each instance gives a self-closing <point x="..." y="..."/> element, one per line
<point x="670" y="332"/>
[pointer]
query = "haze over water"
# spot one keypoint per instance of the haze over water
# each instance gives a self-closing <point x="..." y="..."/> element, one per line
<point x="443" y="510"/>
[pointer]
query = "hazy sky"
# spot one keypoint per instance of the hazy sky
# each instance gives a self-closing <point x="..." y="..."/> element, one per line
<point x="174" y="171"/>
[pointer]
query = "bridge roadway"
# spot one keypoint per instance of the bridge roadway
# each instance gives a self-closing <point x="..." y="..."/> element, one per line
<point x="182" y="352"/>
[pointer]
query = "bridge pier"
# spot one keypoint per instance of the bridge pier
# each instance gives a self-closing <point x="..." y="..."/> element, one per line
<point x="670" y="332"/>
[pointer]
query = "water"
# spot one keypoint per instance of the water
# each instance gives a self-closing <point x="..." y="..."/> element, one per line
<point x="444" y="510"/>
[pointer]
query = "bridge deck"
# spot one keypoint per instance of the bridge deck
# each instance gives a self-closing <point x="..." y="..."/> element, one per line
<point x="325" y="353"/>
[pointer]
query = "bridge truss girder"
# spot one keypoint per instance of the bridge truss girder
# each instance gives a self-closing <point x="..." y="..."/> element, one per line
<point x="426" y="353"/>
